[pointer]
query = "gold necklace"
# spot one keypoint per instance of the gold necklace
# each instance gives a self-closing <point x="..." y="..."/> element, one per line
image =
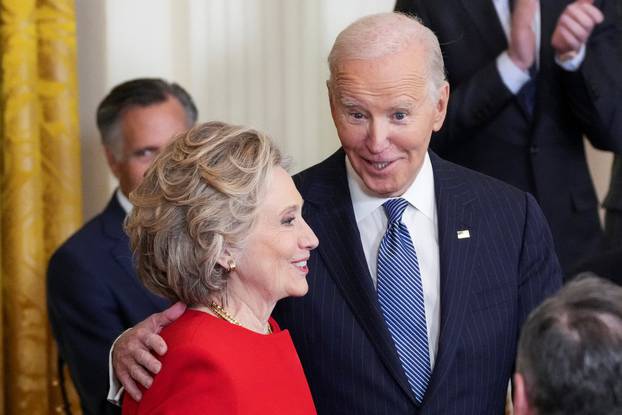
<point x="222" y="313"/>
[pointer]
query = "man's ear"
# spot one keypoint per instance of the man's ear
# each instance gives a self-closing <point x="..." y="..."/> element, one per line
<point x="440" y="109"/>
<point x="521" y="402"/>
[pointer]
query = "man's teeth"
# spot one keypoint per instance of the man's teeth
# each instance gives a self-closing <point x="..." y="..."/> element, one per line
<point x="380" y="166"/>
<point x="301" y="264"/>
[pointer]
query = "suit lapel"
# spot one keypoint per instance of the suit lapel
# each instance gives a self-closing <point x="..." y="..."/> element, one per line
<point x="113" y="217"/>
<point x="341" y="250"/>
<point x="455" y="206"/>
<point x="486" y="21"/>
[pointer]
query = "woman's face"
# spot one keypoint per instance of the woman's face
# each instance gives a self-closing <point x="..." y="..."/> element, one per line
<point x="273" y="261"/>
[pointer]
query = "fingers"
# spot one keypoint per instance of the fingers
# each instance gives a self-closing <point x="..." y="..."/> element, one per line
<point x="140" y="375"/>
<point x="579" y="25"/>
<point x="585" y="15"/>
<point x="144" y="359"/>
<point x="575" y="26"/>
<point x="568" y="39"/>
<point x="132" y="360"/>
<point x="156" y="343"/>
<point x="130" y="386"/>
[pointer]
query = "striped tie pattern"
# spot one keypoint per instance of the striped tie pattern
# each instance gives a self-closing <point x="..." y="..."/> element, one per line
<point x="400" y="294"/>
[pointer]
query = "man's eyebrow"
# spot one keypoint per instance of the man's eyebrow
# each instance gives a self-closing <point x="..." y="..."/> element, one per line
<point x="348" y="102"/>
<point x="408" y="105"/>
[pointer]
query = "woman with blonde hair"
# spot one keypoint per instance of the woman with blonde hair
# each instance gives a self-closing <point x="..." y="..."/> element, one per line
<point x="217" y="225"/>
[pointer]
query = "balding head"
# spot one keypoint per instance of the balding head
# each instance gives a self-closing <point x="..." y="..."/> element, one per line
<point x="383" y="34"/>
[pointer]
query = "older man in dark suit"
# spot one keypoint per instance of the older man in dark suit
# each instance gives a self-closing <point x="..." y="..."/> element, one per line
<point x="425" y="270"/>
<point x="527" y="84"/>
<point x="93" y="291"/>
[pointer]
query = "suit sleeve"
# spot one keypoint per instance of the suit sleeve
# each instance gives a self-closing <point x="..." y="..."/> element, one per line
<point x="476" y="100"/>
<point x="540" y="274"/>
<point x="594" y="92"/>
<point x="85" y="321"/>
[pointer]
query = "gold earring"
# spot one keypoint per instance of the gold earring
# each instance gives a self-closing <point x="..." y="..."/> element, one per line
<point x="231" y="265"/>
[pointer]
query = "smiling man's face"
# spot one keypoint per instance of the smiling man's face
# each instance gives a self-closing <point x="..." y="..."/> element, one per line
<point x="385" y="116"/>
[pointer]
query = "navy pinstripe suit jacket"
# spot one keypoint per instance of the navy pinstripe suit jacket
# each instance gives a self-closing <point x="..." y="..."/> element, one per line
<point x="489" y="284"/>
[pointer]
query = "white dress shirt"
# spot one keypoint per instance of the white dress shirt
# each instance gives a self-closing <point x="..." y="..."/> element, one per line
<point x="513" y="77"/>
<point x="421" y="220"/>
<point x="124" y="201"/>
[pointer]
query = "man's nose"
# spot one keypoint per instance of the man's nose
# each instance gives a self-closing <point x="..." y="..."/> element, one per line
<point x="378" y="136"/>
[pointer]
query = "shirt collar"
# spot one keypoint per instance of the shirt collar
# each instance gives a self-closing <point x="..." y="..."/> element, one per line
<point x="420" y="194"/>
<point x="124" y="202"/>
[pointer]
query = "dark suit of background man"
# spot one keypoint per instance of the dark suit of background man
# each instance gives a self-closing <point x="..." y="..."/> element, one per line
<point x="570" y="353"/>
<point x="484" y="250"/>
<point x="521" y="102"/>
<point x="93" y="292"/>
<point x="613" y="205"/>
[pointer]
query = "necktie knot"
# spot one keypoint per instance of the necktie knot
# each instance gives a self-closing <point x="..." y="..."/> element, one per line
<point x="394" y="208"/>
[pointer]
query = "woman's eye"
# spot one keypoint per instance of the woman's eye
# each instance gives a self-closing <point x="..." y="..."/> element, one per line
<point x="288" y="220"/>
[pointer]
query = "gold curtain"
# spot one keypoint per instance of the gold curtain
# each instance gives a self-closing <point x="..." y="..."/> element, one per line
<point x="40" y="199"/>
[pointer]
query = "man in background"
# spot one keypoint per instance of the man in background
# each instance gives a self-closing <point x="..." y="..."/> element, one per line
<point x="570" y="353"/>
<point x="528" y="80"/>
<point x="92" y="290"/>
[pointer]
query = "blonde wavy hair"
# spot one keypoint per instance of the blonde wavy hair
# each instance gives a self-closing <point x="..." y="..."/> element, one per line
<point x="198" y="198"/>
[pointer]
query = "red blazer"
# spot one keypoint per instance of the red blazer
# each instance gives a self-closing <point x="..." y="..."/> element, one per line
<point x="215" y="367"/>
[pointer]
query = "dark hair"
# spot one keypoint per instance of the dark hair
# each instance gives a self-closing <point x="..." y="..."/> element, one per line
<point x="138" y="92"/>
<point x="570" y="350"/>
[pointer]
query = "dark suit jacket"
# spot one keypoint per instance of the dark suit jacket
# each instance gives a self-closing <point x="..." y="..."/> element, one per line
<point x="613" y="204"/>
<point x="93" y="295"/>
<point x="613" y="201"/>
<point x="486" y="130"/>
<point x="488" y="283"/>
<point x="607" y="264"/>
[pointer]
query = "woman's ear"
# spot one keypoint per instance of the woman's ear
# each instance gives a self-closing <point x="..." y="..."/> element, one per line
<point x="226" y="261"/>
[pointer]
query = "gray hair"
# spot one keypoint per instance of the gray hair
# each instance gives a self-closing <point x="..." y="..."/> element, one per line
<point x="383" y="34"/>
<point x="570" y="350"/>
<point x="141" y="92"/>
<point x="199" y="198"/>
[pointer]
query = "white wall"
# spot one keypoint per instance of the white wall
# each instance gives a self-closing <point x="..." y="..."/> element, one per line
<point x="256" y="62"/>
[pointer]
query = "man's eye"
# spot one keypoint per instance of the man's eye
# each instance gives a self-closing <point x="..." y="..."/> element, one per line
<point x="357" y="115"/>
<point x="145" y="152"/>
<point x="400" y="116"/>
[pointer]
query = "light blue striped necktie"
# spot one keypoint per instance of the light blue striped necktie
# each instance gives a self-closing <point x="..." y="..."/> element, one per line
<point x="400" y="294"/>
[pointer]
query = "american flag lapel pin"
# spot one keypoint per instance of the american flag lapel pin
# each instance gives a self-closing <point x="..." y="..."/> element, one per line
<point x="463" y="234"/>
